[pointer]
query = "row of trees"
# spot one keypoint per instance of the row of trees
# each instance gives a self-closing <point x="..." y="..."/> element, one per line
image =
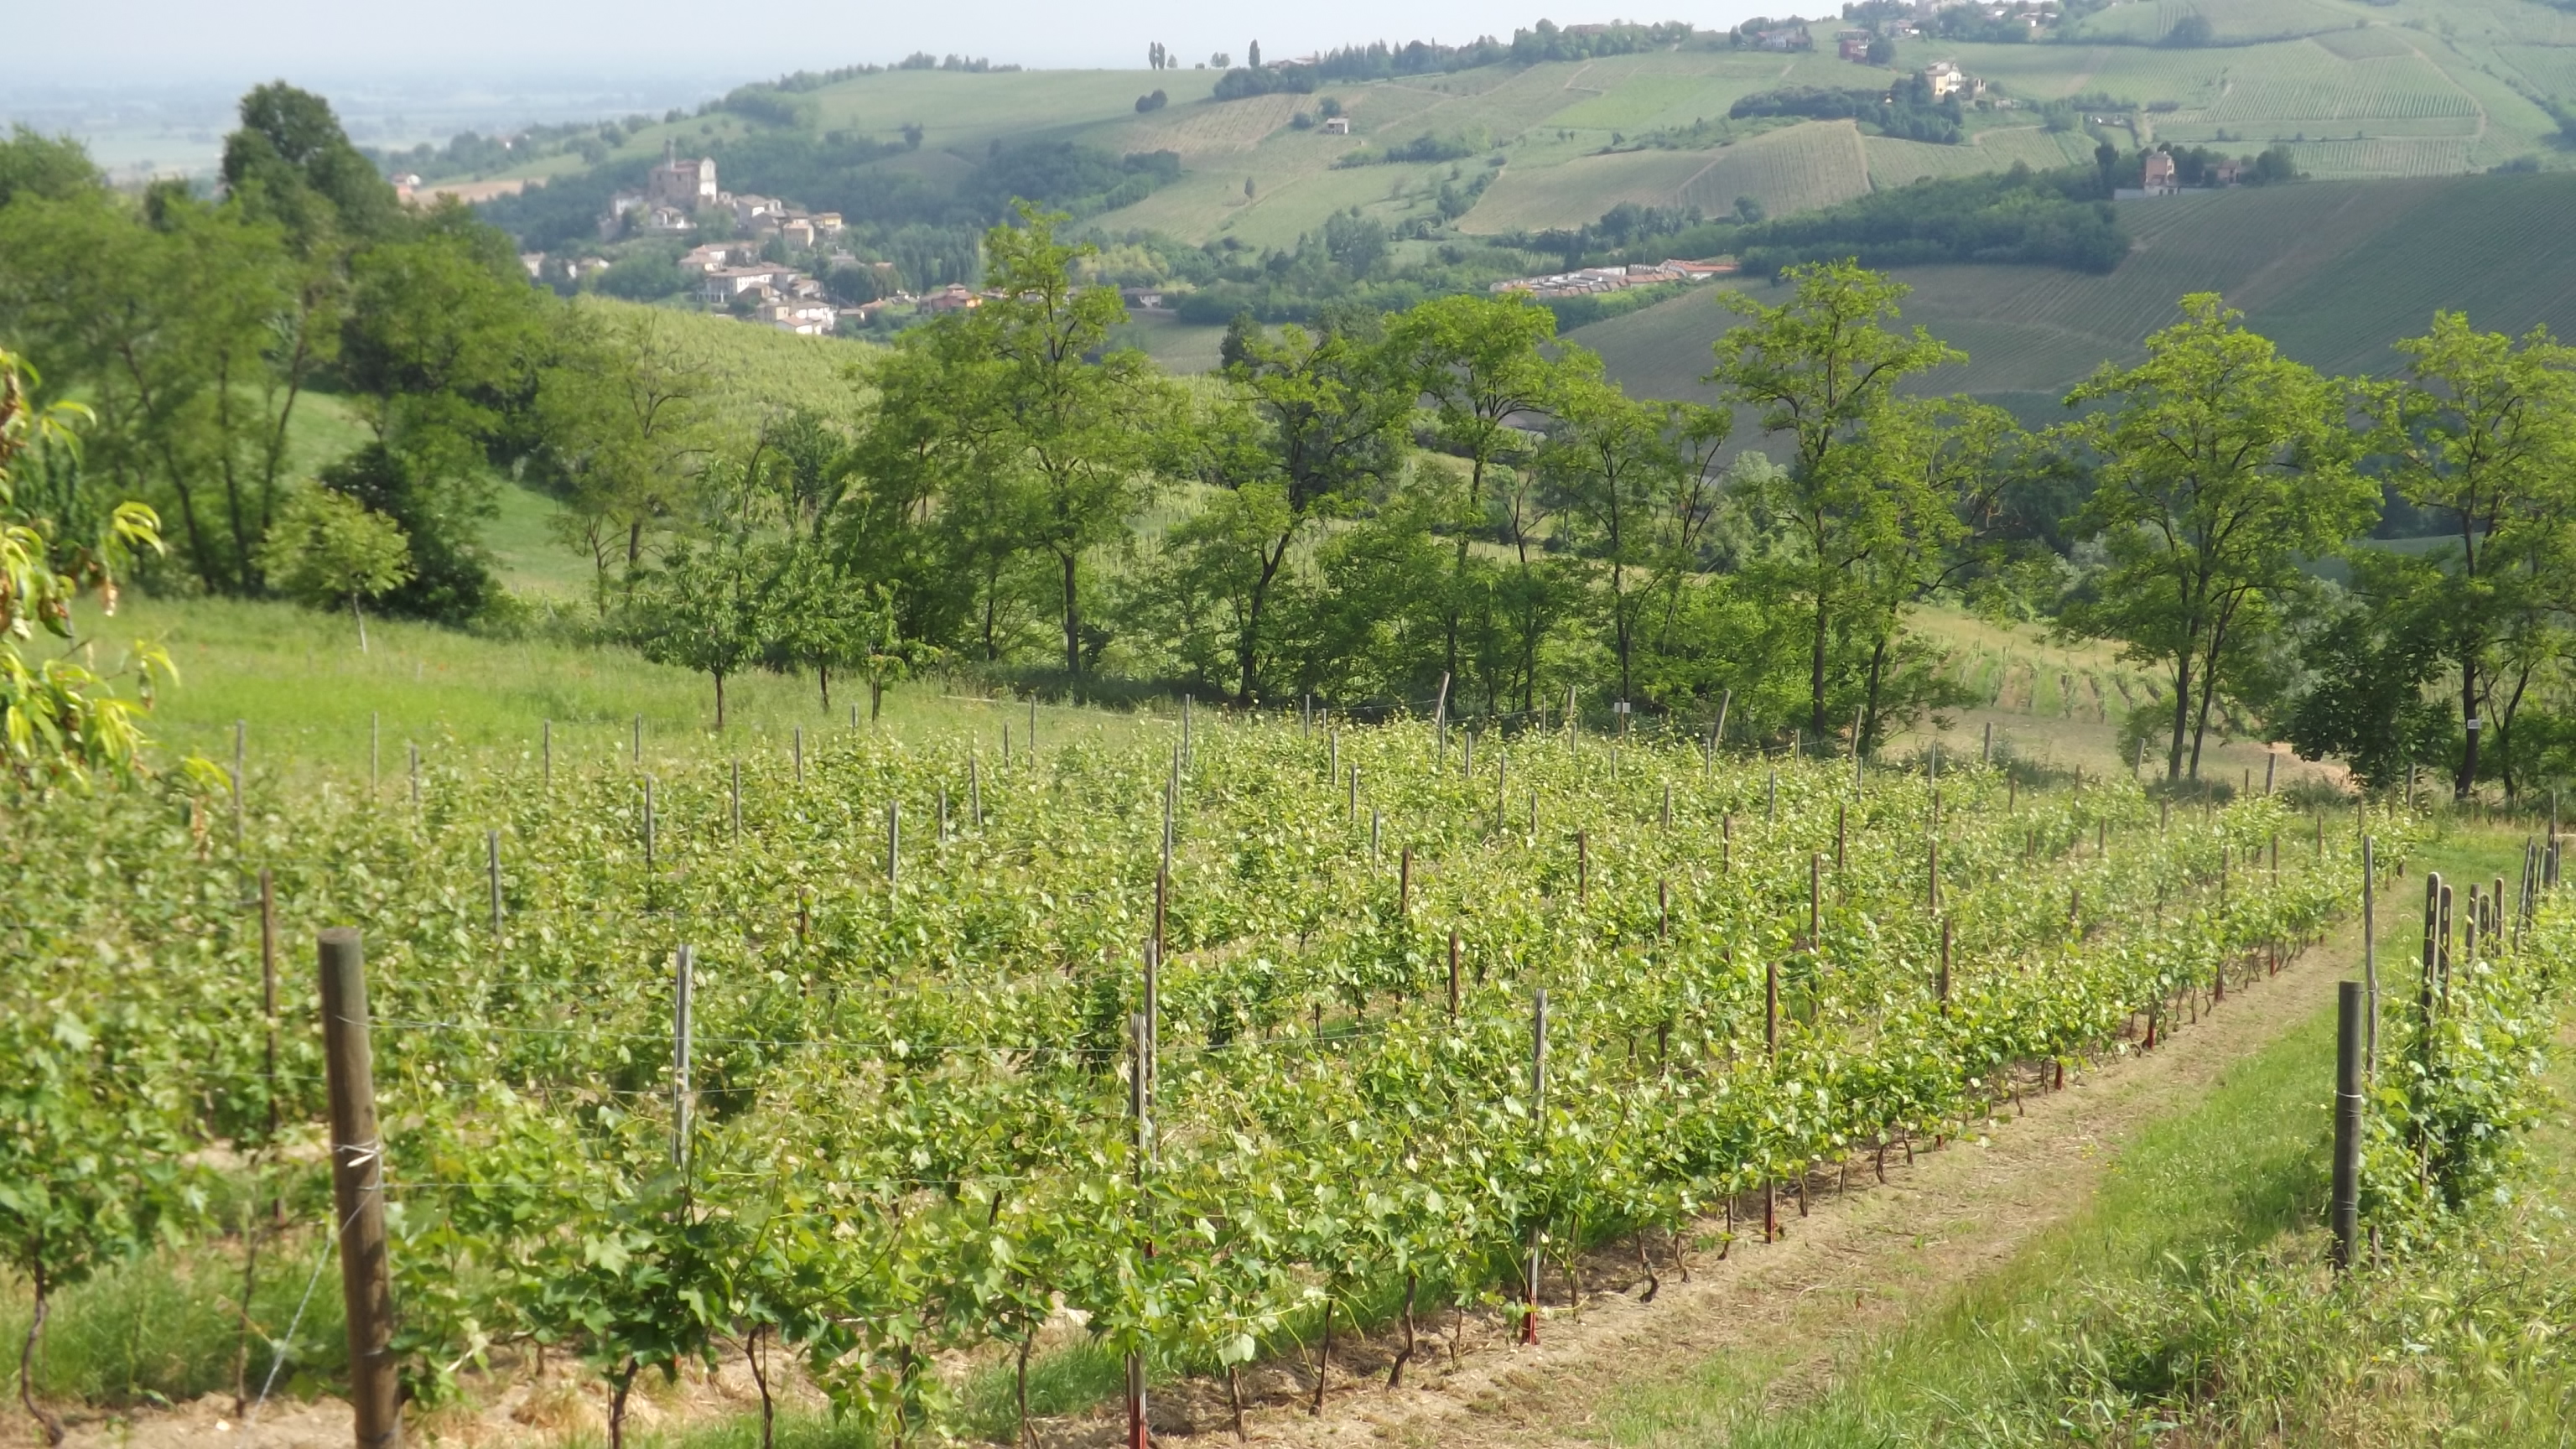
<point x="1366" y="508"/>
<point x="1360" y="509"/>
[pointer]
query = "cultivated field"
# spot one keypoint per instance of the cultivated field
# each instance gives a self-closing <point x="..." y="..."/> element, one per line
<point x="1789" y="170"/>
<point x="2335" y="271"/>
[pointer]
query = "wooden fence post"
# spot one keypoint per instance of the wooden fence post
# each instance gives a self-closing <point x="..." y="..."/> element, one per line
<point x="2346" y="1211"/>
<point x="357" y="1190"/>
<point x="684" y="974"/>
<point x="2370" y="963"/>
<point x="1538" y="1129"/>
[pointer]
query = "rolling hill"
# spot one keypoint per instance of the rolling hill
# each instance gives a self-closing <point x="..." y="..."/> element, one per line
<point x="2334" y="271"/>
<point x="2414" y="88"/>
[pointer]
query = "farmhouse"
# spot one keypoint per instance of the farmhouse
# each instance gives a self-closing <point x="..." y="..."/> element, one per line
<point x="1337" y="125"/>
<point x="2161" y="179"/>
<point x="1945" y="79"/>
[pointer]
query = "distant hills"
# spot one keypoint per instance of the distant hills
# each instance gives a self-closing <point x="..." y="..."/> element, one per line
<point x="2333" y="270"/>
<point x="1453" y="159"/>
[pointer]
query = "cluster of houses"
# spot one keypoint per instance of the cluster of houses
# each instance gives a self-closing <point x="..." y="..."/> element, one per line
<point x="2162" y="177"/>
<point x="1592" y="281"/>
<point x="679" y="190"/>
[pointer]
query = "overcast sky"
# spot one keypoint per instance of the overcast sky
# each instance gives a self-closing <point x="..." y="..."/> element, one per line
<point x="221" y="41"/>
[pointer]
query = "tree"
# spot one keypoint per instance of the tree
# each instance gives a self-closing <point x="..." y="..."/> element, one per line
<point x="56" y="721"/>
<point x="1057" y="407"/>
<point x="704" y="610"/>
<point x="57" y="167"/>
<point x="1628" y="478"/>
<point x="2480" y="432"/>
<point x="1947" y="463"/>
<point x="1823" y="369"/>
<point x="1478" y="361"/>
<point x="327" y="548"/>
<point x="2223" y="467"/>
<point x="2367" y="653"/>
<point x="622" y="408"/>
<point x="450" y="580"/>
<point x="1315" y="428"/>
<point x="191" y="333"/>
<point x="291" y="162"/>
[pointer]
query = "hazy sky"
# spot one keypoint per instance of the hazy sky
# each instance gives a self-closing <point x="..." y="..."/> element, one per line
<point x="219" y="41"/>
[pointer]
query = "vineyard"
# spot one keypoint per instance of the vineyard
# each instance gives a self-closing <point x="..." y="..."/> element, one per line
<point x="1198" y="1047"/>
<point x="2296" y="259"/>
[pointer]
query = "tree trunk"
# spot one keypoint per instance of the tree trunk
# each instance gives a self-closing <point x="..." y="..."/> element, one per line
<point x="361" y="616"/>
<point x="618" y="1384"/>
<point x="823" y="676"/>
<point x="250" y="1285"/>
<point x="719" y="678"/>
<point x="1323" y="1354"/>
<point x="1816" y="667"/>
<point x="876" y="699"/>
<point x="1072" y="618"/>
<point x="1395" y="1375"/>
<point x="760" y="1377"/>
<point x="2182" y="716"/>
<point x="2467" y="779"/>
<point x="1020" y="1386"/>
<point x="53" y="1426"/>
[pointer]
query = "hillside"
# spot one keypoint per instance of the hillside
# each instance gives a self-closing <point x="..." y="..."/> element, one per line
<point x="2354" y="90"/>
<point x="2335" y="271"/>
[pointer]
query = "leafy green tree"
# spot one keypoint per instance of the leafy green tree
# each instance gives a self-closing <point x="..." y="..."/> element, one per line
<point x="1069" y="418"/>
<point x="1315" y="427"/>
<point x="706" y="609"/>
<point x="1947" y="463"/>
<point x="56" y="720"/>
<point x="329" y="549"/>
<point x="1477" y="359"/>
<point x="190" y="333"/>
<point x="2367" y="653"/>
<point x="292" y="163"/>
<point x="623" y="408"/>
<point x="1823" y="369"/>
<point x="444" y="337"/>
<point x="1630" y="479"/>
<point x="450" y="581"/>
<point x="2224" y="467"/>
<point x="2480" y="432"/>
<point x="56" y="167"/>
